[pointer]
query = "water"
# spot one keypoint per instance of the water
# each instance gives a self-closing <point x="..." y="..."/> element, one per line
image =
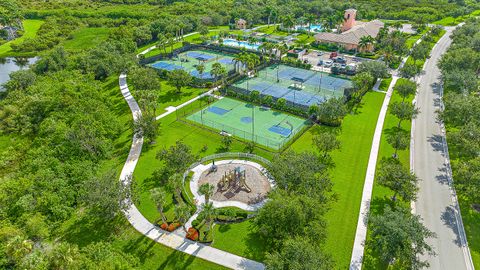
<point x="241" y="44"/>
<point x="10" y="64"/>
<point x="313" y="28"/>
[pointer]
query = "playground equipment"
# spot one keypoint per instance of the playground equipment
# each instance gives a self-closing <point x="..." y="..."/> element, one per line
<point x="213" y="168"/>
<point x="234" y="181"/>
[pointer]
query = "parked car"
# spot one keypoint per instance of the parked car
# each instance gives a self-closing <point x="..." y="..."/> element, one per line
<point x="320" y="53"/>
<point x="328" y="63"/>
<point x="333" y="55"/>
<point x="320" y="63"/>
<point x="340" y="60"/>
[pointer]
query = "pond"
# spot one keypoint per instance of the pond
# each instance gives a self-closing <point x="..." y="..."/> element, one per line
<point x="11" y="64"/>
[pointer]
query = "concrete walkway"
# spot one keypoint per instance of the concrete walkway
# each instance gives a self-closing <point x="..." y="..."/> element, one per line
<point x="361" y="231"/>
<point x="142" y="225"/>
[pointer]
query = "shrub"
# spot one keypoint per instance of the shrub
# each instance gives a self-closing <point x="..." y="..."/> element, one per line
<point x="173" y="226"/>
<point x="192" y="234"/>
<point x="195" y="223"/>
<point x="164" y="226"/>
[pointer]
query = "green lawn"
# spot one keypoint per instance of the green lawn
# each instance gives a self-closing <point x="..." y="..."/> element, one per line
<point x="451" y="21"/>
<point x="381" y="195"/>
<point x="471" y="221"/>
<point x="85" y="38"/>
<point x="31" y="27"/>
<point x="239" y="238"/>
<point x="348" y="175"/>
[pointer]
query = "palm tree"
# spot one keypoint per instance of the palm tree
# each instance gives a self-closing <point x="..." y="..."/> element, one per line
<point x="310" y="18"/>
<point x="160" y="199"/>
<point x="175" y="185"/>
<point x="200" y="68"/>
<point x="162" y="42"/>
<point x="252" y="61"/>
<point x="208" y="212"/>
<point x="288" y="22"/>
<point x="182" y="212"/>
<point x="388" y="54"/>
<point x="238" y="60"/>
<point x="365" y="41"/>
<point x="206" y="190"/>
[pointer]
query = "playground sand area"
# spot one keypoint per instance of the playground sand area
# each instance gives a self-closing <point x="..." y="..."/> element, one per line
<point x="254" y="179"/>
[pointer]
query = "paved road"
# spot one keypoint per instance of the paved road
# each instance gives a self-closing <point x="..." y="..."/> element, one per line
<point x="436" y="202"/>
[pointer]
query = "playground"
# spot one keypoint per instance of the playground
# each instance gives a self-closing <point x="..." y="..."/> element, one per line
<point x="236" y="180"/>
<point x="189" y="61"/>
<point x="298" y="86"/>
<point x="250" y="122"/>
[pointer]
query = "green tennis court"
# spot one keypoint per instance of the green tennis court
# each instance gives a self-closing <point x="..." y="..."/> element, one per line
<point x="246" y="121"/>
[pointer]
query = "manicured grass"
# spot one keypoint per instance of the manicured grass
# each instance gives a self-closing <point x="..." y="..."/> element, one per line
<point x="381" y="195"/>
<point x="83" y="231"/>
<point x="30" y="27"/>
<point x="471" y="222"/>
<point x="239" y="238"/>
<point x="384" y="84"/>
<point x="272" y="30"/>
<point x="348" y="175"/>
<point x="85" y="38"/>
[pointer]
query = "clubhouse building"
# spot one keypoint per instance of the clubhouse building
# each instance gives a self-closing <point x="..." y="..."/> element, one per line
<point x="351" y="32"/>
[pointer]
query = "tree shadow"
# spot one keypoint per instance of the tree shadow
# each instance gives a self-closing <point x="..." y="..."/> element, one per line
<point x="442" y="178"/>
<point x="448" y="218"/>
<point x="256" y="245"/>
<point x="224" y="228"/>
<point x="436" y="141"/>
<point x="88" y="229"/>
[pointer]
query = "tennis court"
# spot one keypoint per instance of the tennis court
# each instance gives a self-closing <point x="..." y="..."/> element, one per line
<point x="189" y="60"/>
<point x="270" y="128"/>
<point x="299" y="86"/>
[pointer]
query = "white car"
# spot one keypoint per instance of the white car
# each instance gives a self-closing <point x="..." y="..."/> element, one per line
<point x="328" y="63"/>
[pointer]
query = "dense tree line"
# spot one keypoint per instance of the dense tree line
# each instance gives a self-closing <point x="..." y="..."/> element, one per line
<point x="460" y="68"/>
<point x="64" y="126"/>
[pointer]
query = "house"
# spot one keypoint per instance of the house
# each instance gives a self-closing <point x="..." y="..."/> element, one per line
<point x="241" y="24"/>
<point x="351" y="32"/>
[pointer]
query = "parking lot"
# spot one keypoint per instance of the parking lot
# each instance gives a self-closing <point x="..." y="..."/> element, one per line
<point x="314" y="57"/>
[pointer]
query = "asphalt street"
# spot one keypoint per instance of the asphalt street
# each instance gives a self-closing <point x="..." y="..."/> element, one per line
<point x="436" y="202"/>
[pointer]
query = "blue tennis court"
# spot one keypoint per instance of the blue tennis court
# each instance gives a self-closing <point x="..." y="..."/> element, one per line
<point x="296" y="85"/>
<point x="280" y="130"/>
<point x="217" y="110"/>
<point x="190" y="60"/>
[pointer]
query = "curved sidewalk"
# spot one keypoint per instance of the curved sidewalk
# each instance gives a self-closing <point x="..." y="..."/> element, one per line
<point x="142" y="225"/>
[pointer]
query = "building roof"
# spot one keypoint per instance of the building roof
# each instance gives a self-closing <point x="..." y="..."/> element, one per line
<point x="353" y="35"/>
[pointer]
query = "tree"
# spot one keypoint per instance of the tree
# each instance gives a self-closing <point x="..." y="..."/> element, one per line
<point x="403" y="111"/>
<point x="299" y="253"/>
<point x="375" y="68"/>
<point x="21" y="80"/>
<point x="409" y="70"/>
<point x="227" y="142"/>
<point x="105" y="196"/>
<point x="64" y="256"/>
<point x="467" y="179"/>
<point x="393" y="175"/>
<point x="160" y="199"/>
<point x="200" y="69"/>
<point x="399" y="140"/>
<point x="362" y="82"/>
<point x="400" y="239"/>
<point x="179" y="78"/>
<point x="175" y="185"/>
<point x="331" y="112"/>
<point x="287" y="216"/>
<point x="182" y="212"/>
<point x="177" y="158"/>
<point x="144" y="79"/>
<point x="208" y="213"/>
<point x="207" y="190"/>
<point x="405" y="88"/>
<point x="365" y="42"/>
<point x="146" y="126"/>
<point x="420" y="51"/>
<point x="17" y="248"/>
<point x="326" y="142"/>
<point x="300" y="173"/>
